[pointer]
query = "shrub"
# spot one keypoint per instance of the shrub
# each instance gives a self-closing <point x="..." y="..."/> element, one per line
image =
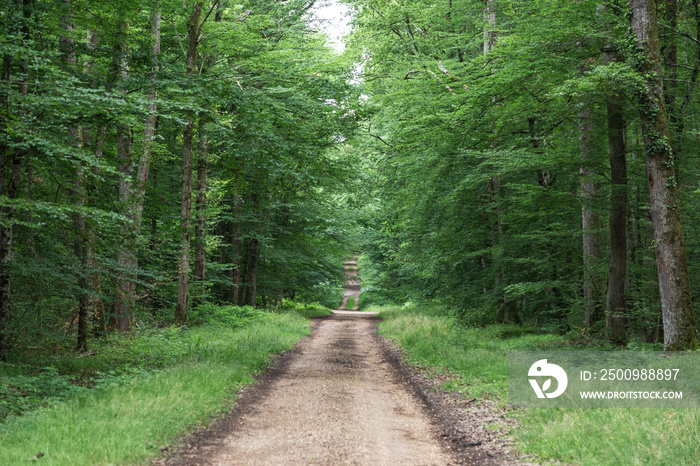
<point x="229" y="316"/>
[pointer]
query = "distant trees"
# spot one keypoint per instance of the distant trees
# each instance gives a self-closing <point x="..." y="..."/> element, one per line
<point x="108" y="110"/>
<point x="494" y="172"/>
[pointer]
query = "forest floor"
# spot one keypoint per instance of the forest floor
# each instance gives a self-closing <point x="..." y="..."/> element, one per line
<point x="344" y="396"/>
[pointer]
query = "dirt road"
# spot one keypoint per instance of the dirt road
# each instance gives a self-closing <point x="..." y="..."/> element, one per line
<point x="343" y="396"/>
<point x="335" y="399"/>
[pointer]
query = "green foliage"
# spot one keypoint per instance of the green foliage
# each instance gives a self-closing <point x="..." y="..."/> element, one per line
<point x="128" y="420"/>
<point x="474" y="157"/>
<point x="301" y="309"/>
<point x="505" y="332"/>
<point x="229" y="316"/>
<point x="328" y="294"/>
<point x="26" y="385"/>
<point x="26" y="391"/>
<point x="274" y="106"/>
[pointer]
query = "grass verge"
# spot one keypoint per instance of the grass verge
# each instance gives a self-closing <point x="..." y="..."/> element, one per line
<point x="128" y="419"/>
<point x="478" y="356"/>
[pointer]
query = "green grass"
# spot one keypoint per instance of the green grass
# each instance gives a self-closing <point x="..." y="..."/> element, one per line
<point x="612" y="436"/>
<point x="129" y="418"/>
<point x="303" y="309"/>
<point x="351" y="303"/>
<point x="478" y="357"/>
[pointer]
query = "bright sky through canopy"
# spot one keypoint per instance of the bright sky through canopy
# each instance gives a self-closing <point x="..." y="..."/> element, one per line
<point x="334" y="18"/>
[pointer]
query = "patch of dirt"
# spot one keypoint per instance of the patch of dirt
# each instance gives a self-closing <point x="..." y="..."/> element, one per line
<point x="352" y="283"/>
<point x="475" y="432"/>
<point x="344" y="396"/>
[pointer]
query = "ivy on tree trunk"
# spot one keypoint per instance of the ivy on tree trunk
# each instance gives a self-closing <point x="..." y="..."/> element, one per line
<point x="669" y="242"/>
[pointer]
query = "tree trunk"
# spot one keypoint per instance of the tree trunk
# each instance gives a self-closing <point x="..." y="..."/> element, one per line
<point x="121" y="318"/>
<point x="672" y="267"/>
<point x="251" y="273"/>
<point x="11" y="160"/>
<point x="95" y="305"/>
<point x="590" y="223"/>
<point x="201" y="204"/>
<point x="494" y="190"/>
<point x="78" y="193"/>
<point x="82" y="252"/>
<point x="615" y="305"/>
<point x="490" y="33"/>
<point x="235" y="259"/>
<point x="494" y="183"/>
<point x="132" y="192"/>
<point x="615" y="302"/>
<point x="202" y="167"/>
<point x="150" y="122"/>
<point x="186" y="193"/>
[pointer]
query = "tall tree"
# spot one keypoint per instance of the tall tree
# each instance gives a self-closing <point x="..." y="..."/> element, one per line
<point x="201" y="205"/>
<point x="11" y="159"/>
<point x="121" y="317"/>
<point x="79" y="191"/>
<point x="200" y="255"/>
<point x="669" y="241"/>
<point x="132" y="189"/>
<point x="193" y="32"/>
<point x="615" y="305"/>
<point x="96" y="305"/>
<point x="590" y="220"/>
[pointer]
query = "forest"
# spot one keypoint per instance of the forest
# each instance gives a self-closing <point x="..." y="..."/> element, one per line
<point x="531" y="161"/>
<point x="518" y="161"/>
<point x="532" y="164"/>
<point x="157" y="156"/>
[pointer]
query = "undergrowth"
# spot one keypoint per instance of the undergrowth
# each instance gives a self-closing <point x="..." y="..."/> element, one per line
<point x="133" y="394"/>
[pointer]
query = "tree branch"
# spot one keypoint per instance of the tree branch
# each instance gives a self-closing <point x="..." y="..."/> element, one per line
<point x="199" y="31"/>
<point x="382" y="140"/>
<point x="691" y="38"/>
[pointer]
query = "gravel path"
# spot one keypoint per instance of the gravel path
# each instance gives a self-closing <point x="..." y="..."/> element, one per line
<point x="344" y="396"/>
<point x="335" y="399"/>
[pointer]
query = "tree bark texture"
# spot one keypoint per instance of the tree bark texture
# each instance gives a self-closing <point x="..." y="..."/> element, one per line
<point x="590" y="222"/>
<point x="490" y="33"/>
<point x="202" y="169"/>
<point x="201" y="205"/>
<point x="121" y="318"/>
<point x="186" y="193"/>
<point x="615" y="304"/>
<point x="672" y="267"/>
<point x="250" y="284"/>
<point x="96" y="309"/>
